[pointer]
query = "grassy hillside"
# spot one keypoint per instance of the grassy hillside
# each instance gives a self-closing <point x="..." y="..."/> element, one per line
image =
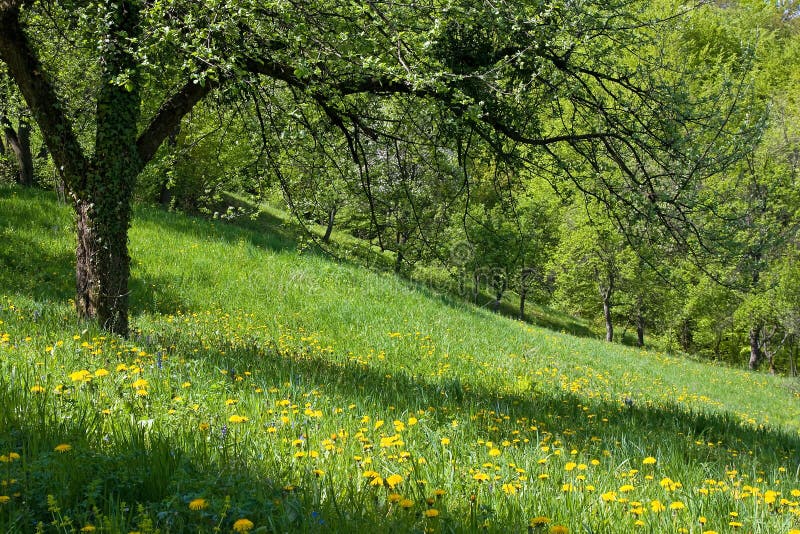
<point x="266" y="390"/>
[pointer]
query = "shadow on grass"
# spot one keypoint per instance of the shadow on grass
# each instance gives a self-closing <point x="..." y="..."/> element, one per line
<point x="642" y="426"/>
<point x="77" y="469"/>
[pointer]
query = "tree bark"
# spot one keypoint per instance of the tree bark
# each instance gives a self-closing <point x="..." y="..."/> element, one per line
<point x="639" y="324"/>
<point x="102" y="268"/>
<point x="607" y="317"/>
<point x="755" y="347"/>
<point x="523" y="293"/>
<point x="19" y="141"/>
<point x="329" y="228"/>
<point x="103" y="209"/>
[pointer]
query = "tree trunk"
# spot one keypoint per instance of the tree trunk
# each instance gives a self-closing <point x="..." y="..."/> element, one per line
<point x="607" y="316"/>
<point x="755" y="348"/>
<point x="639" y="328"/>
<point x="523" y="293"/>
<point x="103" y="208"/>
<point x="20" y="143"/>
<point x="103" y="266"/>
<point x="329" y="228"/>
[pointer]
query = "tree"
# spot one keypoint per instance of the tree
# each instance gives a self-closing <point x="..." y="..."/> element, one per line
<point x="554" y="78"/>
<point x="591" y="264"/>
<point x="18" y="139"/>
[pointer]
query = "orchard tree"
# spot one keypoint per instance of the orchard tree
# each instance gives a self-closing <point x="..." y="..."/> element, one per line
<point x="107" y="81"/>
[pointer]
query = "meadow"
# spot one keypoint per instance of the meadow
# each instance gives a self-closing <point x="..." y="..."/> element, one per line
<point x="266" y="388"/>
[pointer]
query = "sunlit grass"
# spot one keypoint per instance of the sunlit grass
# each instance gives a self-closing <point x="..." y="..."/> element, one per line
<point x="272" y="390"/>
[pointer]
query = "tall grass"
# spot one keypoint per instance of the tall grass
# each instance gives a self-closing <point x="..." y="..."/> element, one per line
<point x="274" y="390"/>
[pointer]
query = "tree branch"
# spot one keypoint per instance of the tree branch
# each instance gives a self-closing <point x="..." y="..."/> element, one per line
<point x="26" y="69"/>
<point x="169" y="116"/>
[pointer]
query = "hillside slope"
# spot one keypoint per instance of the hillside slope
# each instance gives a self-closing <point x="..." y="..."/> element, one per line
<point x="268" y="389"/>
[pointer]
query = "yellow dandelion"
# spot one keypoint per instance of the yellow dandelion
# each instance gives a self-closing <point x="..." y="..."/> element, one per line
<point x="80" y="376"/>
<point x="494" y="452"/>
<point x="539" y="521"/>
<point x="140" y="383"/>
<point x="99" y="373"/>
<point x="198" y="504"/>
<point x="480" y="477"/>
<point x="63" y="447"/>
<point x="4" y="499"/>
<point x="431" y="512"/>
<point x="626" y="488"/>
<point x="243" y="525"/>
<point x="445" y="441"/>
<point x="37" y="389"/>
<point x="406" y="503"/>
<point x="649" y="461"/>
<point x="559" y="529"/>
<point x="89" y="528"/>
<point x="393" y="480"/>
<point x="237" y="419"/>
<point x="657" y="506"/>
<point x="677" y="505"/>
<point x="395" y="497"/>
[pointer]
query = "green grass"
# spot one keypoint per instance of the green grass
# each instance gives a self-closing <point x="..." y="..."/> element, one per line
<point x="346" y="378"/>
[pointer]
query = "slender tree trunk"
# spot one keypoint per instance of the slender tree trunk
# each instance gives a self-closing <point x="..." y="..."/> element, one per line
<point x="329" y="228"/>
<point x="755" y="347"/>
<point x="523" y="293"/>
<point x="640" y="327"/>
<point x="607" y="316"/>
<point x="20" y="143"/>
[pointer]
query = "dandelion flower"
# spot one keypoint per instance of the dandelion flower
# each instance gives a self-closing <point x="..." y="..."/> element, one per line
<point x="649" y="461"/>
<point x="393" y="480"/>
<point x="198" y="504"/>
<point x="243" y="525"/>
<point x="80" y="376"/>
<point x="431" y="512"/>
<point x="677" y="505"/>
<point x="89" y="528"/>
<point x="237" y="419"/>
<point x="559" y="529"/>
<point x="539" y="521"/>
<point x="445" y="441"/>
<point x="406" y="503"/>
<point x="141" y="383"/>
<point x="657" y="506"/>
<point x="395" y="497"/>
<point x="63" y="447"/>
<point x="37" y="389"/>
<point x="4" y="499"/>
